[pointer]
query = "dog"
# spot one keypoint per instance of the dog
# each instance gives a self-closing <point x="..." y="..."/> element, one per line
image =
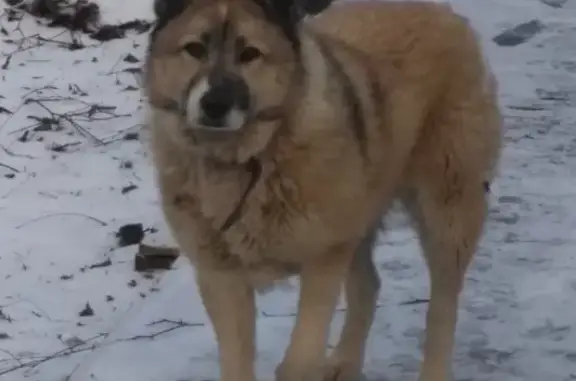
<point x="282" y="130"/>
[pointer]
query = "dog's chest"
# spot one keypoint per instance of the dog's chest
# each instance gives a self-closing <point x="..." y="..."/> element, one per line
<point x="219" y="192"/>
<point x="276" y="227"/>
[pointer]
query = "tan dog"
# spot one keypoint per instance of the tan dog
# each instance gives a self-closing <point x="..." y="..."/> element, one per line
<point x="280" y="141"/>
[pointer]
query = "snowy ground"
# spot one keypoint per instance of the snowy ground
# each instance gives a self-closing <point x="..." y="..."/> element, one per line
<point x="63" y="197"/>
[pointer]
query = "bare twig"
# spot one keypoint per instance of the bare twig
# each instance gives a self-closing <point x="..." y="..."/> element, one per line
<point x="9" y="167"/>
<point x="25" y="96"/>
<point x="100" y="222"/>
<point x="85" y="346"/>
<point x="415" y="301"/>
<point x="7" y="61"/>
<point x="175" y="325"/>
<point x="12" y="356"/>
<point x="37" y="311"/>
<point x="14" y="154"/>
<point x="119" y="135"/>
<point x="57" y="118"/>
<point x="87" y="113"/>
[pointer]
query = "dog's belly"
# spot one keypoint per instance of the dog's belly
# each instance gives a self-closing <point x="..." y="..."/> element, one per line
<point x="265" y="274"/>
<point x="280" y="251"/>
<point x="265" y="265"/>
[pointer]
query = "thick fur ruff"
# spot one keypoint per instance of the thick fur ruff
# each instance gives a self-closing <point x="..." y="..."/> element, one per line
<point x="372" y="101"/>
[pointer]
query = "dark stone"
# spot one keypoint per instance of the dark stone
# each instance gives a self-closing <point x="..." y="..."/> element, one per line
<point x="129" y="188"/>
<point x="87" y="311"/>
<point x="131" y="136"/>
<point x="99" y="265"/>
<point x="554" y="3"/>
<point x="154" y="258"/>
<point x="519" y="34"/>
<point x="130" y="234"/>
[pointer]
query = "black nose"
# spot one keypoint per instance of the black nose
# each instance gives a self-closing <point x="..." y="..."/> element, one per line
<point x="216" y="102"/>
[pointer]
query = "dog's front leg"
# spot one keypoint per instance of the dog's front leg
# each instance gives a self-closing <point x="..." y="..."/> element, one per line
<point x="320" y="285"/>
<point x="229" y="302"/>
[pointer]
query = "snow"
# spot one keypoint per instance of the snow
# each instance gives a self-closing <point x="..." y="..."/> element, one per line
<point x="59" y="212"/>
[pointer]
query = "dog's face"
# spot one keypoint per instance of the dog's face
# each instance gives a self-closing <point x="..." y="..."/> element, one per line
<point x="225" y="65"/>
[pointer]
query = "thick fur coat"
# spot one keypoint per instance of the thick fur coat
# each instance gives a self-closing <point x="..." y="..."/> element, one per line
<point x="329" y="119"/>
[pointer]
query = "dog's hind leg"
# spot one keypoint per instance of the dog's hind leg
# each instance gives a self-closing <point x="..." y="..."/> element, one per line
<point x="320" y="286"/>
<point x="361" y="290"/>
<point x="449" y="208"/>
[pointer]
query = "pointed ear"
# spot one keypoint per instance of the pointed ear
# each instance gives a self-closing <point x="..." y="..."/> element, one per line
<point x="166" y="10"/>
<point x="313" y="7"/>
<point x="287" y="14"/>
<point x="292" y="11"/>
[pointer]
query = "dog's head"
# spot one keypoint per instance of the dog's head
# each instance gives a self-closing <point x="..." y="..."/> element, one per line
<point x="227" y="66"/>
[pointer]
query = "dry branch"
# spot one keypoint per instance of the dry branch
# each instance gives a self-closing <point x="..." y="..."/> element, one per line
<point x="93" y="343"/>
<point x="100" y="222"/>
<point x="31" y="364"/>
<point x="9" y="167"/>
<point x="55" y="121"/>
<point x="82" y="16"/>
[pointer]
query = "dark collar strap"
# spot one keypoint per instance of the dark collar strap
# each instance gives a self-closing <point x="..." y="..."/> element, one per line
<point x="254" y="167"/>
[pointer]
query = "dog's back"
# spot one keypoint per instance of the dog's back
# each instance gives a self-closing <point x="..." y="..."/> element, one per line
<point x="430" y="62"/>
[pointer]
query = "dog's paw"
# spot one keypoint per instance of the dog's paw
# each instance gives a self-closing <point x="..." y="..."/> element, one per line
<point x="286" y="372"/>
<point x="341" y="369"/>
<point x="336" y="368"/>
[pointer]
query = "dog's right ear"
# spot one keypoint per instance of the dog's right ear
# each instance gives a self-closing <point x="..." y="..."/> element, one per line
<point x="166" y="10"/>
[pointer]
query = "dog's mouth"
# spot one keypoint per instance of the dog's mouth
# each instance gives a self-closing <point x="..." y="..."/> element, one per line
<point x="217" y="110"/>
<point x="215" y="104"/>
<point x="199" y="133"/>
<point x="215" y="129"/>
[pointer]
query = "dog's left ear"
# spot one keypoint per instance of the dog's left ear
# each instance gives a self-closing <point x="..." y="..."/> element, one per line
<point x="169" y="9"/>
<point x="292" y="11"/>
<point x="313" y="7"/>
<point x="288" y="13"/>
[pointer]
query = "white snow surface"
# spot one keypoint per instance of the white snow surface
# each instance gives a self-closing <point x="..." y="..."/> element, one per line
<point x="59" y="212"/>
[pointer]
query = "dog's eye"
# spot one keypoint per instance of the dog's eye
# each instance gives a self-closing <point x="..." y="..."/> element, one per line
<point x="249" y="54"/>
<point x="195" y="49"/>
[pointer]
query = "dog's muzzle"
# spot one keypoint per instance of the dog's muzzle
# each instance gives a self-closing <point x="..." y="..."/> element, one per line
<point x="215" y="107"/>
<point x="217" y="103"/>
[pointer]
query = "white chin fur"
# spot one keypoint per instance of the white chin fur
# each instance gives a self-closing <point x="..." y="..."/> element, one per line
<point x="234" y="121"/>
<point x="193" y="101"/>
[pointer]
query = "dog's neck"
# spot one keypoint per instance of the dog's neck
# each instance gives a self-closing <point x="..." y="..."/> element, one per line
<point x="238" y="167"/>
<point x="316" y="69"/>
<point x="315" y="111"/>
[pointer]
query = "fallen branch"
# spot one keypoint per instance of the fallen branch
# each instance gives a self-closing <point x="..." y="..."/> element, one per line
<point x="54" y="121"/>
<point x="9" y="167"/>
<point x="77" y="16"/>
<point x="415" y="301"/>
<point x="12" y="356"/>
<point x="175" y="325"/>
<point x="59" y="354"/>
<point x="100" y="222"/>
<point x="84" y="347"/>
<point x="154" y="258"/>
<point x="13" y="154"/>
